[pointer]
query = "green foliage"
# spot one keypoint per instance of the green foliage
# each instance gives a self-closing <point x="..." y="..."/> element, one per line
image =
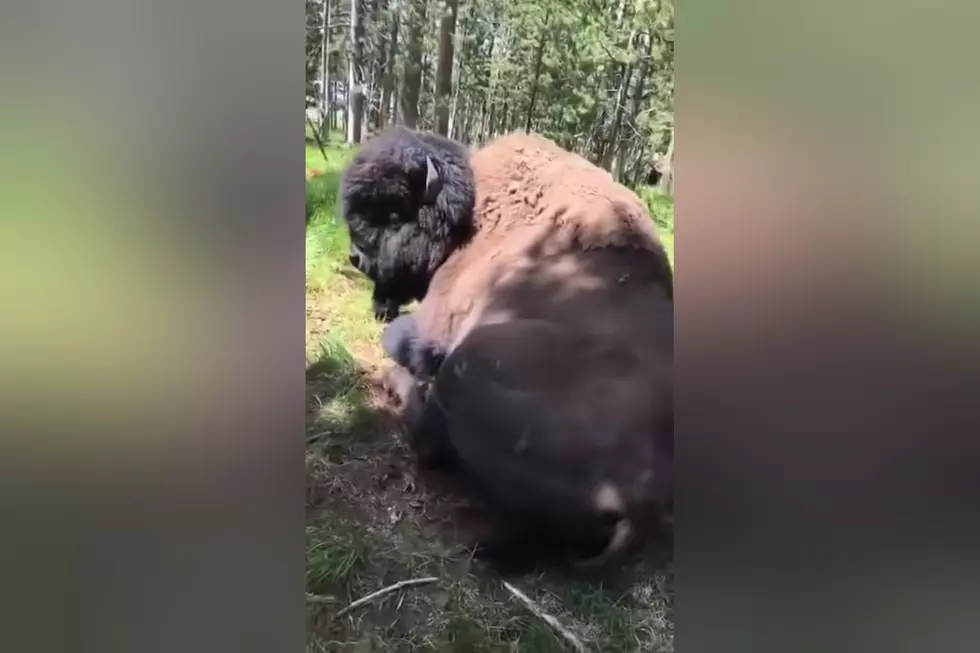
<point x="604" y="87"/>
<point x="660" y="204"/>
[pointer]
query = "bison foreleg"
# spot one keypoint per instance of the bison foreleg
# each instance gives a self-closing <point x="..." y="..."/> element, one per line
<point x="402" y="341"/>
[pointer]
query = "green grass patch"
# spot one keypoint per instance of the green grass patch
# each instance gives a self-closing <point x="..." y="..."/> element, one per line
<point x="660" y="205"/>
<point x="337" y="152"/>
<point x="341" y="415"/>
<point x="336" y="366"/>
<point x="334" y="560"/>
<point x="667" y="238"/>
<point x="327" y="245"/>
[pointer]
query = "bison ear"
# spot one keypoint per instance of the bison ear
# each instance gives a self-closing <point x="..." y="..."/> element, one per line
<point x="433" y="184"/>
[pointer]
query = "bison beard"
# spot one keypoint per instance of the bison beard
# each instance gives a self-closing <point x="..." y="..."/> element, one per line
<point x="555" y="321"/>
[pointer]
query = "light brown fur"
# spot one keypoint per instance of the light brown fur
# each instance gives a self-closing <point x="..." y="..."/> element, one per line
<point x="532" y="193"/>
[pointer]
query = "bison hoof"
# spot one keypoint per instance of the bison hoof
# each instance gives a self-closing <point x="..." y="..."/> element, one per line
<point x="385" y="311"/>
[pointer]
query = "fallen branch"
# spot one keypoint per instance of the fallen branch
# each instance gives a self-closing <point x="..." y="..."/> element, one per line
<point x="316" y="136"/>
<point x="319" y="598"/>
<point x="387" y="590"/>
<point x="547" y="618"/>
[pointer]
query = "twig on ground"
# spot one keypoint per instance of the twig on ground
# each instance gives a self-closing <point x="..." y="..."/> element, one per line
<point x="547" y="618"/>
<point x="387" y="590"/>
<point x="320" y="598"/>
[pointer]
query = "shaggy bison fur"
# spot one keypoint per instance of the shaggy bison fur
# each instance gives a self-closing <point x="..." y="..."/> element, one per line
<point x="407" y="198"/>
<point x="551" y="386"/>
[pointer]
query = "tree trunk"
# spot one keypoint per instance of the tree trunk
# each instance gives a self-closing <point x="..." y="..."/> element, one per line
<point x="325" y="96"/>
<point x="468" y="123"/>
<point x="457" y="78"/>
<point x="599" y="144"/>
<point x="667" y="178"/>
<point x="355" y="92"/>
<point x="412" y="77"/>
<point x="457" y="121"/>
<point x="444" y="67"/>
<point x="388" y="77"/>
<point x="613" y="145"/>
<point x="637" y="172"/>
<point x="488" y="114"/>
<point x="377" y="59"/>
<point x="454" y="113"/>
<point x="345" y="114"/>
<point x="638" y="90"/>
<point x="394" y="102"/>
<point x="538" y="60"/>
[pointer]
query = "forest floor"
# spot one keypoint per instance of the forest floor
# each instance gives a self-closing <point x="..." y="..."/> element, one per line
<point x="372" y="523"/>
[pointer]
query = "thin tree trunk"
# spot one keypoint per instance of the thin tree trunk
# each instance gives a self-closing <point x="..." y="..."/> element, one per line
<point x="503" y="121"/>
<point x="612" y="145"/>
<point x="667" y="178"/>
<point x="395" y="103"/>
<point x="468" y="123"/>
<point x="388" y="83"/>
<point x="444" y="67"/>
<point x="457" y="118"/>
<point x="638" y="90"/>
<point x="538" y="60"/>
<point x="355" y="92"/>
<point x="457" y="79"/>
<point x="325" y="75"/>
<point x="454" y="113"/>
<point x="377" y="58"/>
<point x="412" y="77"/>
<point x="598" y="143"/>
<point x="489" y="101"/>
<point x="345" y="114"/>
<point x="637" y="176"/>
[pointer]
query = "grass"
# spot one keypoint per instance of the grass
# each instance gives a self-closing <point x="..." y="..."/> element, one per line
<point x="369" y="525"/>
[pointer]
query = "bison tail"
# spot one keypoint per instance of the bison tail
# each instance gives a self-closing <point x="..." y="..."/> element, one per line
<point x="608" y="502"/>
<point x="622" y="534"/>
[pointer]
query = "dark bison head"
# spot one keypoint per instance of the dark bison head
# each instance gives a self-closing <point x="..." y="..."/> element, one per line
<point x="407" y="199"/>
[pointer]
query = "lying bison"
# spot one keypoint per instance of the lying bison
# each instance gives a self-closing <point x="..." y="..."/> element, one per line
<point x="540" y="359"/>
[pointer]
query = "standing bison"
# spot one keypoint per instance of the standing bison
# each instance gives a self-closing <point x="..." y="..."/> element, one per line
<point x="540" y="359"/>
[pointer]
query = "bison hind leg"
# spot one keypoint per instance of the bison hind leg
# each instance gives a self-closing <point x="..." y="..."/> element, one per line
<point x="521" y="546"/>
<point x="516" y="548"/>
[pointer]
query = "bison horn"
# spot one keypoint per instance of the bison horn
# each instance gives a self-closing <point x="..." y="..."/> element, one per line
<point x="432" y="182"/>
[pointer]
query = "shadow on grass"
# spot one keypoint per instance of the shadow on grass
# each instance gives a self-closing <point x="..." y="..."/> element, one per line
<point x="338" y="410"/>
